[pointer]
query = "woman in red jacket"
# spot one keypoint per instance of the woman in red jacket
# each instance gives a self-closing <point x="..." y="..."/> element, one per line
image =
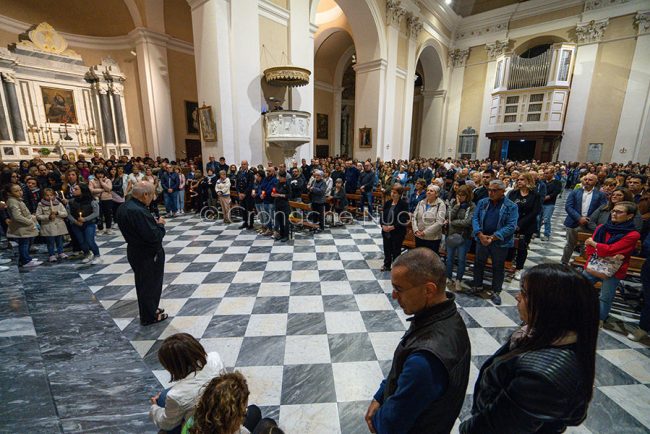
<point x="615" y="239"/>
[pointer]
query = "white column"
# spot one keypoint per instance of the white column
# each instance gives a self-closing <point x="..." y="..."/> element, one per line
<point x="588" y="35"/>
<point x="457" y="59"/>
<point x="337" y="97"/>
<point x="211" y="30"/>
<point x="151" y="49"/>
<point x="301" y="53"/>
<point x="633" y="135"/>
<point x="409" y="88"/>
<point x="494" y="50"/>
<point x="246" y="87"/>
<point x="392" y="39"/>
<point x="369" y="106"/>
<point x="432" y="113"/>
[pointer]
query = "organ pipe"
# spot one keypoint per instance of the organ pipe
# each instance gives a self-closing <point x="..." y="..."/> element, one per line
<point x="529" y="72"/>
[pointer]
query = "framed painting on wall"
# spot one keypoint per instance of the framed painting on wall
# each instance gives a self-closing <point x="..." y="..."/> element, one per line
<point x="322" y="126"/>
<point x="365" y="137"/>
<point x="59" y="105"/>
<point x="207" y="125"/>
<point x="192" y="117"/>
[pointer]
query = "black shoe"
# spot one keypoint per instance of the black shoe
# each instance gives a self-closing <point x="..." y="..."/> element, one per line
<point x="243" y="226"/>
<point x="496" y="299"/>
<point x="475" y="290"/>
<point x="284" y="240"/>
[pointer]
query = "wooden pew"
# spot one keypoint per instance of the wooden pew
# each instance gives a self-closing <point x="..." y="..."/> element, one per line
<point x="300" y="222"/>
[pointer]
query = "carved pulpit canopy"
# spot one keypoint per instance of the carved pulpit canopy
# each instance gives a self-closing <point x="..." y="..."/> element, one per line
<point x="43" y="38"/>
<point x="291" y="76"/>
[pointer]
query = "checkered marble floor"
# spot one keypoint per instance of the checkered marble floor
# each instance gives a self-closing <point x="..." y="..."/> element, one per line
<point x="312" y="325"/>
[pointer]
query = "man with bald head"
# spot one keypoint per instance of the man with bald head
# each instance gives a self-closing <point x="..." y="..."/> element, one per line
<point x="144" y="234"/>
<point x="580" y="204"/>
<point x="425" y="389"/>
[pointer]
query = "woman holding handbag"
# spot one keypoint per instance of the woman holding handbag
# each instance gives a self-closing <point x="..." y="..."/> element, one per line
<point x="608" y="252"/>
<point x="428" y="219"/>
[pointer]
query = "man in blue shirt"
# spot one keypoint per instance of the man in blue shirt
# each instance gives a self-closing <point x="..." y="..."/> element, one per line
<point x="493" y="224"/>
<point x="425" y="388"/>
<point x="170" y="183"/>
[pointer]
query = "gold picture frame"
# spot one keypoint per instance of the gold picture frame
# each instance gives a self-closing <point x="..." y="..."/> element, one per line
<point x="206" y="123"/>
<point x="365" y="137"/>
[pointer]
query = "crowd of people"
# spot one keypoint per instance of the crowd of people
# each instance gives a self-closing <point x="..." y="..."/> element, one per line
<point x="489" y="208"/>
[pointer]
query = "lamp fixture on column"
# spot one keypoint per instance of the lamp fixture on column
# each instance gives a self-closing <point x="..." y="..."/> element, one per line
<point x="623" y="150"/>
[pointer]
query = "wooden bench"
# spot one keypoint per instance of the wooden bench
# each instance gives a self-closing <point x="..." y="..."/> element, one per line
<point x="633" y="269"/>
<point x="300" y="222"/>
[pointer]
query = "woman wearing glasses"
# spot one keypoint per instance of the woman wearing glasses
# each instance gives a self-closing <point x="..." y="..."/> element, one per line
<point x="541" y="379"/>
<point x="608" y="251"/>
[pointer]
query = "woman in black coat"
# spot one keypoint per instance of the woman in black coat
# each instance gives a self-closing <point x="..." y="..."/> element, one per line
<point x="394" y="220"/>
<point x="541" y="380"/>
<point x="529" y="205"/>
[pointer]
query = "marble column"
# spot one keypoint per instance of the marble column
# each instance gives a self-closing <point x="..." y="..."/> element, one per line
<point x="431" y="124"/>
<point x="413" y="27"/>
<point x="394" y="19"/>
<point x="633" y="135"/>
<point x="108" y="130"/>
<point x="116" y="93"/>
<point x="301" y="53"/>
<point x="211" y="30"/>
<point x="9" y="84"/>
<point x="494" y="50"/>
<point x="151" y="49"/>
<point x="4" y="126"/>
<point x="336" y="114"/>
<point x="457" y="59"/>
<point x="588" y="35"/>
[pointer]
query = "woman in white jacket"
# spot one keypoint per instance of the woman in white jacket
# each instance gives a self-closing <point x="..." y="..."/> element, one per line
<point x="190" y="368"/>
<point x="222" y="187"/>
<point x="429" y="219"/>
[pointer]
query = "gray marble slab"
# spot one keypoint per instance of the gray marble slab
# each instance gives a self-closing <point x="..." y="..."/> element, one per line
<point x="605" y="416"/>
<point x="351" y="347"/>
<point x="199" y="307"/>
<point x="332" y="275"/>
<point x="306" y="324"/>
<point x="305" y="265"/>
<point x="271" y="305"/>
<point x="276" y="276"/>
<point x="304" y="288"/>
<point x="352" y="416"/>
<point x="366" y="287"/>
<point x="262" y="351"/>
<point x="340" y="303"/>
<point x="382" y="321"/>
<point x="227" y="326"/>
<point x="308" y="384"/>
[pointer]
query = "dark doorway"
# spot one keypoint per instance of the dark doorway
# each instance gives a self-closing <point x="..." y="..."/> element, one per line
<point x="192" y="148"/>
<point x="521" y="150"/>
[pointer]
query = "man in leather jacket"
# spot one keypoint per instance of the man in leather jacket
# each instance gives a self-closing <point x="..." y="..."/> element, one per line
<point x="245" y="181"/>
<point x="425" y="389"/>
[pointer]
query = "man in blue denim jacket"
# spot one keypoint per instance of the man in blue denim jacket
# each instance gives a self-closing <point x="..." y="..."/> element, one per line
<point x="494" y="225"/>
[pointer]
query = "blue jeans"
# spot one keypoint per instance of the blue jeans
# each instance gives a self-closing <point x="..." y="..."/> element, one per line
<point x="547" y="213"/>
<point x="269" y="208"/>
<point x="461" y="252"/>
<point x="160" y="402"/>
<point x="607" y="293"/>
<point x="498" y="255"/>
<point x="86" y="236"/>
<point x="53" y="243"/>
<point x="23" y="250"/>
<point x="180" y="203"/>
<point x="171" y="202"/>
<point x="366" y="197"/>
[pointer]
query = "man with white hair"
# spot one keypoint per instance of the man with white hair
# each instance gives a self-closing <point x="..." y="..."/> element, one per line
<point x="144" y="235"/>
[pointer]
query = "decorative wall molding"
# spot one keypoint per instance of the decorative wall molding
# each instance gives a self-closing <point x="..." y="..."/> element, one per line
<point x="401" y="73"/>
<point x="273" y="12"/>
<point x="592" y="31"/>
<point x="413" y="26"/>
<point x="124" y="42"/>
<point x="481" y="31"/>
<point x="394" y="12"/>
<point x="321" y="85"/>
<point x="373" y="65"/>
<point x="458" y="57"/>
<point x="497" y="48"/>
<point x="642" y="22"/>
<point x="591" y="5"/>
<point x="434" y="93"/>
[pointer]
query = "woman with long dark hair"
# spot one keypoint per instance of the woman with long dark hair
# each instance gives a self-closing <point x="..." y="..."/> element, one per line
<point x="529" y="205"/>
<point x="542" y="379"/>
<point x="394" y="220"/>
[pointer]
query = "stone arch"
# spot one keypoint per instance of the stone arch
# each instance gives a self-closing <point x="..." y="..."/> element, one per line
<point x="325" y="34"/>
<point x="433" y="65"/>
<point x="539" y="40"/>
<point x="135" y="12"/>
<point x="366" y="23"/>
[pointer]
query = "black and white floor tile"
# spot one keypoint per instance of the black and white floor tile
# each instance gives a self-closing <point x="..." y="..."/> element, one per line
<point x="312" y="325"/>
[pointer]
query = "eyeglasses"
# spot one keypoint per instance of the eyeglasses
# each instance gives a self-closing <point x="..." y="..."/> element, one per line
<point x="493" y="190"/>
<point x="618" y="211"/>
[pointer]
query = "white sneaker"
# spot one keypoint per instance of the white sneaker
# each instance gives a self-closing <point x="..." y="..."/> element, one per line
<point x="97" y="260"/>
<point x="518" y="275"/>
<point x="33" y="263"/>
<point x="63" y="256"/>
<point x="637" y="335"/>
<point x="89" y="257"/>
<point x="459" y="286"/>
<point x="110" y="232"/>
<point x="52" y="258"/>
<point x="3" y="268"/>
